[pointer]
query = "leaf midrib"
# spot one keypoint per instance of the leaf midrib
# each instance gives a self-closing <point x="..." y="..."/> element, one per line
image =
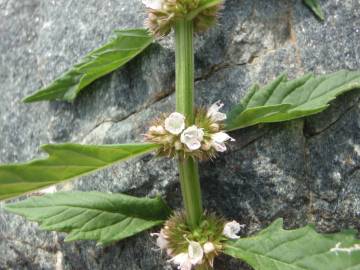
<point x="75" y="207"/>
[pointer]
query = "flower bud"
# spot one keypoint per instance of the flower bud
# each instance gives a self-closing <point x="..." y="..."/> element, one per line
<point x="214" y="127"/>
<point x="178" y="146"/>
<point x="206" y="146"/>
<point x="209" y="247"/>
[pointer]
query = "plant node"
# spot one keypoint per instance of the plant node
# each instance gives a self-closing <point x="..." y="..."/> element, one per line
<point x="202" y="141"/>
<point x="198" y="247"/>
<point x="163" y="14"/>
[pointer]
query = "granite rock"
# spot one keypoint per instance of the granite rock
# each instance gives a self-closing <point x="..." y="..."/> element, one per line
<point x="305" y="170"/>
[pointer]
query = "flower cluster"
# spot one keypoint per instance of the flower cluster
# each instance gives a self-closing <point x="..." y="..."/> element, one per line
<point x="163" y="14"/>
<point x="202" y="140"/>
<point x="190" y="248"/>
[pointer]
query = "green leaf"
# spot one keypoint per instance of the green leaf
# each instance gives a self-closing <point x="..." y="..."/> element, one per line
<point x="93" y="215"/>
<point x="204" y="4"/>
<point x="121" y="48"/>
<point x="302" y="249"/>
<point x="65" y="161"/>
<point x="284" y="100"/>
<point x="316" y="8"/>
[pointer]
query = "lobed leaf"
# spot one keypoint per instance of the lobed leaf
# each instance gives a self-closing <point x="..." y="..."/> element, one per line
<point x="302" y="249"/>
<point x="121" y="48"/>
<point x="65" y="161"/>
<point x="316" y="8"/>
<point x="93" y="215"/>
<point x="284" y="100"/>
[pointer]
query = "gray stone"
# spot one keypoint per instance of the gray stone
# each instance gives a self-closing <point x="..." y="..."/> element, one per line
<point x="305" y="170"/>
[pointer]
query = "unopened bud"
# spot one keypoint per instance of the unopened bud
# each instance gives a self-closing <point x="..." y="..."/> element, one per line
<point x="214" y="127"/>
<point x="178" y="145"/>
<point x="206" y="146"/>
<point x="209" y="247"/>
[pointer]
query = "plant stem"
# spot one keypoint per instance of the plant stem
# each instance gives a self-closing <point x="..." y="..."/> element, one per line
<point x="185" y="69"/>
<point x="190" y="188"/>
<point x="188" y="167"/>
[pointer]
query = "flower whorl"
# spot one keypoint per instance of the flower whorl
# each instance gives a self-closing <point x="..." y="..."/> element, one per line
<point x="202" y="140"/>
<point x="163" y="14"/>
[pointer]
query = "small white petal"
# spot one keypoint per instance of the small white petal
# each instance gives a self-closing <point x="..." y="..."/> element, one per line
<point x="221" y="137"/>
<point x="161" y="240"/>
<point x="196" y="253"/>
<point x="192" y="137"/>
<point x="209" y="247"/>
<point x="175" y="123"/>
<point x="219" y="147"/>
<point x="231" y="229"/>
<point x="153" y="4"/>
<point x="218" y="117"/>
<point x="193" y="145"/>
<point x="182" y="260"/>
<point x="214" y="108"/>
<point x="214" y="114"/>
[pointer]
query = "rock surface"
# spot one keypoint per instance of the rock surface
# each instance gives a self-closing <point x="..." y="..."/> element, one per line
<point x="305" y="170"/>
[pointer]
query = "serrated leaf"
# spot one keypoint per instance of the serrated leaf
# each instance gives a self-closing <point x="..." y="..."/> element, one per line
<point x="97" y="216"/>
<point x="316" y="8"/>
<point x="284" y="100"/>
<point x="65" y="162"/>
<point x="302" y="249"/>
<point x="204" y="4"/>
<point x="121" y="48"/>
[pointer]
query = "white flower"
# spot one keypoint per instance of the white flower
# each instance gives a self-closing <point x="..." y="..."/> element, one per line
<point x="214" y="114"/>
<point x="182" y="260"/>
<point x="194" y="256"/>
<point x="175" y="123"/>
<point x="208" y="247"/>
<point x="161" y="241"/>
<point x="219" y="139"/>
<point x="192" y="137"/>
<point x="231" y="229"/>
<point x="153" y="4"/>
<point x="195" y="252"/>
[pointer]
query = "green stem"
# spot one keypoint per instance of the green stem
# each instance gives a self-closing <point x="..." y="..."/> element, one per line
<point x="191" y="192"/>
<point x="185" y="69"/>
<point x="188" y="168"/>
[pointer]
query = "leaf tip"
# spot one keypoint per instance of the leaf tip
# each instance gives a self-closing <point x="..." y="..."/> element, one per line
<point x="28" y="99"/>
